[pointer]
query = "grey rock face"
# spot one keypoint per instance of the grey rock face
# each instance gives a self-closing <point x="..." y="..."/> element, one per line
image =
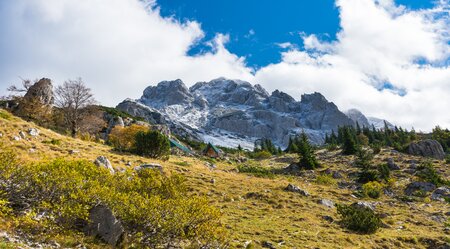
<point x="424" y="187"/>
<point x="105" y="225"/>
<point x="103" y="162"/>
<point x="427" y="148"/>
<point x="234" y="110"/>
<point x="357" y="117"/>
<point x="296" y="189"/>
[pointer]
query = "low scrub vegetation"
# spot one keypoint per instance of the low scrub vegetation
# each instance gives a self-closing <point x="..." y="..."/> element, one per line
<point x="359" y="218"/>
<point x="255" y="170"/>
<point x="155" y="209"/>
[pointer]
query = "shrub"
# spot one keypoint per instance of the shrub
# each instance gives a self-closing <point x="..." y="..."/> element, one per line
<point x="153" y="144"/>
<point x="358" y="218"/>
<point x="326" y="179"/>
<point x="447" y="159"/>
<point x="261" y="155"/>
<point x="427" y="172"/>
<point x="123" y="138"/>
<point x="53" y="141"/>
<point x="255" y="170"/>
<point x="376" y="148"/>
<point x="368" y="175"/>
<point x="155" y="209"/>
<point x="372" y="189"/>
<point x="384" y="172"/>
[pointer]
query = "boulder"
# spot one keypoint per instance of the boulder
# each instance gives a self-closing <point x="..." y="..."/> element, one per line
<point x="441" y="194"/>
<point x="392" y="165"/>
<point x="22" y="134"/>
<point x="103" y="162"/>
<point x="296" y="189"/>
<point x="33" y="132"/>
<point x="326" y="203"/>
<point x="364" y="204"/>
<point x="427" y="148"/>
<point x="104" y="225"/>
<point x="419" y="186"/>
<point x="154" y="166"/>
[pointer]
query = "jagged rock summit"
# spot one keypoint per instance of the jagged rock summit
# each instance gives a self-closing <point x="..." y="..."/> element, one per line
<point x="231" y="112"/>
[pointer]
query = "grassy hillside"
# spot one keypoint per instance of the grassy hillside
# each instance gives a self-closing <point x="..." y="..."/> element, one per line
<point x="257" y="211"/>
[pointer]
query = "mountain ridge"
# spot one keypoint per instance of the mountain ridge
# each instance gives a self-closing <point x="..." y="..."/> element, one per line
<point x="235" y="112"/>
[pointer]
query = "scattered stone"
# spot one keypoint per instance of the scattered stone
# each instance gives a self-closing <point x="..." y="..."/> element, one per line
<point x="419" y="186"/>
<point x="427" y="148"/>
<point x="154" y="166"/>
<point x="326" y="203"/>
<point x="213" y="181"/>
<point x="441" y="194"/>
<point x="334" y="173"/>
<point x="17" y="138"/>
<point x="296" y="189"/>
<point x="328" y="218"/>
<point x="33" y="132"/>
<point x="128" y="164"/>
<point x="105" y="225"/>
<point x="364" y="204"/>
<point x="1" y="134"/>
<point x="267" y="244"/>
<point x="22" y="135"/>
<point x="71" y="152"/>
<point x="103" y="162"/>
<point x="392" y="165"/>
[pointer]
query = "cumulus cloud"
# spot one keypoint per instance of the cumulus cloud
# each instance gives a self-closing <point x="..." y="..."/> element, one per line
<point x="380" y="43"/>
<point x="121" y="46"/>
<point x="117" y="46"/>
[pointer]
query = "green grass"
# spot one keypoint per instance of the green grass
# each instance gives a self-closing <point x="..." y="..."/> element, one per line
<point x="183" y="163"/>
<point x="326" y="179"/>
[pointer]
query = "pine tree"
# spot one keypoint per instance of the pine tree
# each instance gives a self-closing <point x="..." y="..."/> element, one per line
<point x="308" y="159"/>
<point x="349" y="146"/>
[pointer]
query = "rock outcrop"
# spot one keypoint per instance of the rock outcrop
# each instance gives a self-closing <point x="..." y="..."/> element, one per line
<point x="41" y="91"/>
<point x="427" y="148"/>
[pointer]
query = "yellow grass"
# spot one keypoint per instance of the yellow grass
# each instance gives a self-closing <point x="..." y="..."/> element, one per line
<point x="287" y="220"/>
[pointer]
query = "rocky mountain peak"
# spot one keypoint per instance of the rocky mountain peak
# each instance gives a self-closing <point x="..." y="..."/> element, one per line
<point x="358" y="117"/>
<point x="168" y="93"/>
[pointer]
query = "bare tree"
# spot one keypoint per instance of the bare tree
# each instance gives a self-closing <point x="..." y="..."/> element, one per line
<point x="73" y="97"/>
<point x="26" y="84"/>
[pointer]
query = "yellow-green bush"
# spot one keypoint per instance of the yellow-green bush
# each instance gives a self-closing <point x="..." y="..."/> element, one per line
<point x="326" y="179"/>
<point x="155" y="209"/>
<point x="372" y="189"/>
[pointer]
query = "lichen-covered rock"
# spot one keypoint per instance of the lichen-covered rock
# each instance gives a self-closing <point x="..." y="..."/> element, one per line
<point x="296" y="189"/>
<point x="392" y="165"/>
<point x="441" y="194"/>
<point x="427" y="148"/>
<point x="42" y="91"/>
<point x="423" y="187"/>
<point x="104" y="225"/>
<point x="326" y="203"/>
<point x="102" y="161"/>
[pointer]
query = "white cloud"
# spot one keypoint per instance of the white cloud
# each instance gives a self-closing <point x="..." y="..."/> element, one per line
<point x="379" y="42"/>
<point x="119" y="47"/>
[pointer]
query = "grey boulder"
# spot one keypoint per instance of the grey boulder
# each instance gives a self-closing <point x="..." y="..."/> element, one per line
<point x="104" y="225"/>
<point x="103" y="162"/>
<point x="427" y="148"/>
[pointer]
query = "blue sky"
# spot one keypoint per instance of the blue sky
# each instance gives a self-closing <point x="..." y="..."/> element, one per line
<point x="256" y="27"/>
<point x="387" y="58"/>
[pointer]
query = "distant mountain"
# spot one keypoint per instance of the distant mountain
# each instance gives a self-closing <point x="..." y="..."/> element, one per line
<point x="231" y="112"/>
